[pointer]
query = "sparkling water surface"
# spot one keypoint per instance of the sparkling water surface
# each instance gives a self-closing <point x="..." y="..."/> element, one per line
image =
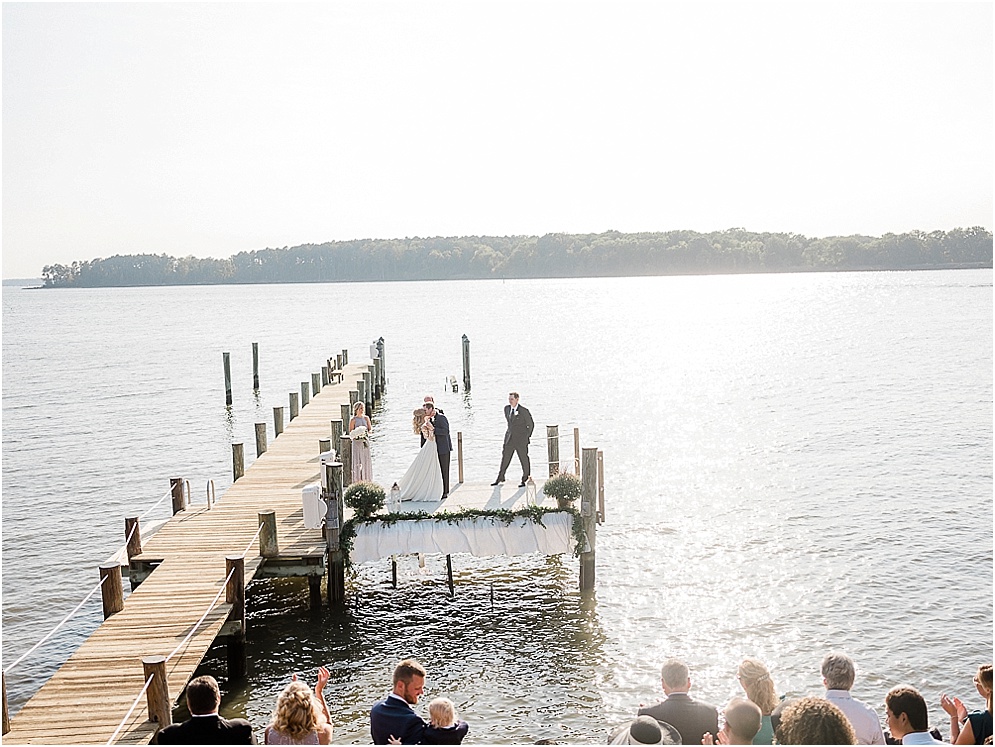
<point x="793" y="464"/>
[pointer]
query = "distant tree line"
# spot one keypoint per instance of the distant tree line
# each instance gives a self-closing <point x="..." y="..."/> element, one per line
<point x="554" y="255"/>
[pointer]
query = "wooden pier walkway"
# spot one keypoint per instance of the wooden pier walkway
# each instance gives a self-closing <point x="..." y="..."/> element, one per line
<point x="86" y="699"/>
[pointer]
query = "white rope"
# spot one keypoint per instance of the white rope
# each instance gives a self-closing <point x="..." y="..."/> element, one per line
<point x="64" y="621"/>
<point x="131" y="710"/>
<point x="164" y="497"/>
<point x="248" y="546"/>
<point x="204" y="616"/>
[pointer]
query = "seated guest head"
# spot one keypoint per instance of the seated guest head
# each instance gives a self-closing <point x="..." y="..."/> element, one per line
<point x="298" y="712"/>
<point x="203" y="695"/>
<point x="814" y="721"/>
<point x="758" y="685"/>
<point x="645" y="730"/>
<point x="442" y="713"/>
<point x="983" y="681"/>
<point x="907" y="712"/>
<point x="675" y="676"/>
<point x="838" y="671"/>
<point x="742" y="721"/>
<point x="409" y="680"/>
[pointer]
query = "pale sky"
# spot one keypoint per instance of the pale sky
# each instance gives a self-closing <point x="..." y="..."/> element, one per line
<point x="209" y="129"/>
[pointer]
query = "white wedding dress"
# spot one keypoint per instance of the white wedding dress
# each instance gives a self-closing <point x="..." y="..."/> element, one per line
<point x="423" y="480"/>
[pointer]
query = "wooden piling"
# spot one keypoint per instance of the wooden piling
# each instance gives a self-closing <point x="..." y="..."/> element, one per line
<point x="260" y="439"/>
<point x="345" y="357"/>
<point x="111" y="590"/>
<point x="6" y="711"/>
<point x="324" y="445"/>
<point x="378" y="378"/>
<point x="314" y="592"/>
<point x="179" y="496"/>
<point x="346" y="411"/>
<point x="553" y="449"/>
<point x="601" y="486"/>
<point x="338" y="361"/>
<point x="324" y="375"/>
<point x="459" y="454"/>
<point x="235" y="596"/>
<point x="277" y="421"/>
<point x="336" y="436"/>
<point x="269" y="546"/>
<point x="361" y="393"/>
<point x="237" y="460"/>
<point x="227" y="362"/>
<point x="368" y="386"/>
<point x="466" y="363"/>
<point x="255" y="366"/>
<point x="157" y="696"/>
<point x="353" y="397"/>
<point x="577" y="451"/>
<point x="334" y="517"/>
<point x="393" y="571"/>
<point x="294" y="405"/>
<point x="305" y="394"/>
<point x="449" y="575"/>
<point x="133" y="536"/>
<point x="345" y="458"/>
<point x="315" y="384"/>
<point x="589" y="515"/>
<point x="383" y="365"/>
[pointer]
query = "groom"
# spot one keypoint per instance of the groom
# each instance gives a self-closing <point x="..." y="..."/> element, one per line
<point x="442" y="442"/>
<point x="516" y="439"/>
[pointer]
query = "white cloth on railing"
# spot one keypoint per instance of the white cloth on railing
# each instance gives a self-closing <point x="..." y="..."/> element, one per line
<point x="482" y="536"/>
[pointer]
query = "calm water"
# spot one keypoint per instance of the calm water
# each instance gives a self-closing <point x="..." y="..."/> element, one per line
<point x="793" y="463"/>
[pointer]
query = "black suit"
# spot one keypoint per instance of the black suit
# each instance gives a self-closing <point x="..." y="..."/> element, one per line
<point x="207" y="730"/>
<point x="690" y="717"/>
<point x="516" y="440"/>
<point x="392" y="717"/>
<point x="444" y="443"/>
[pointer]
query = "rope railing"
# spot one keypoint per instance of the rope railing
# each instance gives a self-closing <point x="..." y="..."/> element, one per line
<point x="202" y="617"/>
<point x="152" y="507"/>
<point x="31" y="650"/>
<point x="254" y="538"/>
<point x="131" y="710"/>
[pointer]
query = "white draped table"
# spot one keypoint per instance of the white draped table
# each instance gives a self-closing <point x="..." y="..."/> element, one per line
<point x="482" y="536"/>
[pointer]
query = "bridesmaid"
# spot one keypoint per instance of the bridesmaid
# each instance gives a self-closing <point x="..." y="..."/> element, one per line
<point x="362" y="466"/>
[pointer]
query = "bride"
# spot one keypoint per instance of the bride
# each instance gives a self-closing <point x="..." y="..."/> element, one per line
<point x="423" y="480"/>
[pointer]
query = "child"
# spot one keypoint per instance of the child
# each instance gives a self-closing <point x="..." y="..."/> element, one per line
<point x="444" y="727"/>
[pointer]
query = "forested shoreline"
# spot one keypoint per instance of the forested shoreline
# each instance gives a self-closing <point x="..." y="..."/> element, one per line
<point x="554" y="255"/>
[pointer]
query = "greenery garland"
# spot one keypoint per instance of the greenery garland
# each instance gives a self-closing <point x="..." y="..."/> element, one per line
<point x="534" y="513"/>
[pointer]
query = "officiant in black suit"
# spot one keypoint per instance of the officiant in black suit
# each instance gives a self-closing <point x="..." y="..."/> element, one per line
<point x="442" y="442"/>
<point x="516" y="438"/>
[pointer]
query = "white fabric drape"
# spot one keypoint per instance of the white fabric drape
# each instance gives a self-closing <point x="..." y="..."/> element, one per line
<point x="481" y="536"/>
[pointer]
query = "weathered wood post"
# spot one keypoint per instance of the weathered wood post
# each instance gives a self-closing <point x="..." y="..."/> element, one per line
<point x="353" y="397"/>
<point x="383" y="365"/>
<point x="346" y="411"/>
<point x="393" y="571"/>
<point x="6" y="712"/>
<point x="589" y="515"/>
<point x="277" y="421"/>
<point x="338" y="361"/>
<point x="324" y="445"/>
<point x="133" y="536"/>
<point x="577" y="451"/>
<point x="449" y="575"/>
<point x="378" y="378"/>
<point x="361" y="392"/>
<point x="336" y="436"/>
<point x="334" y="517"/>
<point x="345" y="357"/>
<point x="305" y="394"/>
<point x="157" y="696"/>
<point x="371" y="387"/>
<point x="260" y="439"/>
<point x="235" y="596"/>
<point x="294" y="405"/>
<point x="111" y="590"/>
<point x="269" y="546"/>
<point x="179" y="496"/>
<point x="255" y="366"/>
<point x="324" y="375"/>
<point x="601" y="486"/>
<point x="227" y="361"/>
<point x="315" y="384"/>
<point x="466" y="363"/>
<point x="459" y="454"/>
<point x="237" y="460"/>
<point x="553" y="449"/>
<point x="345" y="458"/>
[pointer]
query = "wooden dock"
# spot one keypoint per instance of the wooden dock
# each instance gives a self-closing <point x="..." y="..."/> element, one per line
<point x="86" y="699"/>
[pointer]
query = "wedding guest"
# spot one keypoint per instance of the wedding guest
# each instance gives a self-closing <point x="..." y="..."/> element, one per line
<point x="908" y="717"/>
<point x="838" y="674"/>
<point x="690" y="717"/>
<point x="516" y="439"/>
<point x="362" y="466"/>
<point x="205" y="726"/>
<point x="755" y="679"/>
<point x="301" y="715"/>
<point x="814" y="720"/>
<point x="644" y="730"/>
<point x="742" y="723"/>
<point x="444" y="727"/>
<point x="974" y="727"/>
<point x="393" y="716"/>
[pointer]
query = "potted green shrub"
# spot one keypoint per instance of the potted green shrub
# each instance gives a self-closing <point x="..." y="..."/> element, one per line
<point x="365" y="498"/>
<point x="565" y="488"/>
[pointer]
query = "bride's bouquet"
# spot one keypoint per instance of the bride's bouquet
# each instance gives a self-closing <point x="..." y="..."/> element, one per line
<point x="359" y="433"/>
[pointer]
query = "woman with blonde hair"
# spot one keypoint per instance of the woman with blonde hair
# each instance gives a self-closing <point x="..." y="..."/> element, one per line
<point x="360" y="429"/>
<point x="974" y="727"/>
<point x="423" y="479"/>
<point x="756" y="681"/>
<point x="301" y="716"/>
